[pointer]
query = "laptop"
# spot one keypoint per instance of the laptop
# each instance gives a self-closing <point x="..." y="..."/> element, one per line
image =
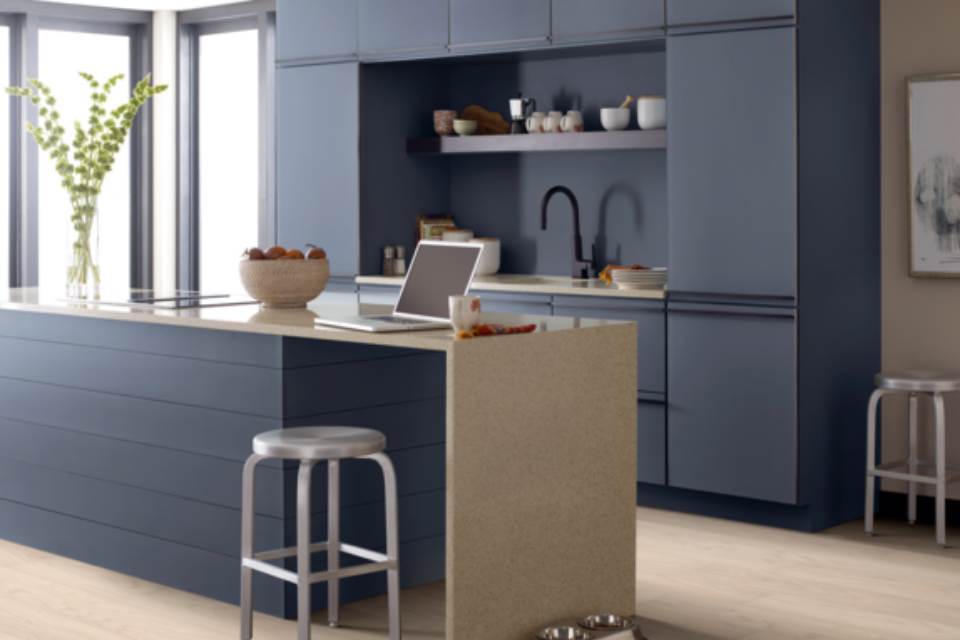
<point x="437" y="271"/>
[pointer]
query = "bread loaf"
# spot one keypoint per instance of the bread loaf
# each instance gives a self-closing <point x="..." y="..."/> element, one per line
<point x="488" y="122"/>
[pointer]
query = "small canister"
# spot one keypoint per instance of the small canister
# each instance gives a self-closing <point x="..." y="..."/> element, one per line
<point x="389" y="261"/>
<point x="400" y="262"/>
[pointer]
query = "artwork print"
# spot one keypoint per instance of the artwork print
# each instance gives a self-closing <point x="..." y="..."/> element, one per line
<point x="934" y="187"/>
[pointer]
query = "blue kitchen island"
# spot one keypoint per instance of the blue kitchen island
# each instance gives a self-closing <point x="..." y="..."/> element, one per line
<point x="123" y="432"/>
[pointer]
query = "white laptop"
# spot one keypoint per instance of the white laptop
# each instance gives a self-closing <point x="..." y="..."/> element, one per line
<point x="438" y="270"/>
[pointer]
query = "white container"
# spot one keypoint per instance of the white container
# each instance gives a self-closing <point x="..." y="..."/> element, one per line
<point x="489" y="256"/>
<point x="464" y="312"/>
<point x="572" y="122"/>
<point x="534" y="122"/>
<point x="457" y="235"/>
<point x="652" y="112"/>
<point x="551" y="124"/>
<point x="614" y="118"/>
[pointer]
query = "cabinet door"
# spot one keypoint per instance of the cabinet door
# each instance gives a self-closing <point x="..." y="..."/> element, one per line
<point x="579" y="21"/>
<point x="732" y="406"/>
<point x="318" y="161"/>
<point x="732" y="162"/>
<point x="316" y="29"/>
<point x="707" y="11"/>
<point x="499" y="24"/>
<point x="651" y="331"/>
<point x="402" y="26"/>
<point x="651" y="443"/>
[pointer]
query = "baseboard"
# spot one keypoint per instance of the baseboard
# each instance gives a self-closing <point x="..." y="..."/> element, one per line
<point x="714" y="505"/>
<point x="893" y="505"/>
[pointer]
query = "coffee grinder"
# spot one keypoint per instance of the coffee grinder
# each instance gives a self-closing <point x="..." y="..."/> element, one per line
<point x="520" y="108"/>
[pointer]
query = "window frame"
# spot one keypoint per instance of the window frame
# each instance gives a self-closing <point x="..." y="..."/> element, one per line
<point x="191" y="25"/>
<point x="27" y="18"/>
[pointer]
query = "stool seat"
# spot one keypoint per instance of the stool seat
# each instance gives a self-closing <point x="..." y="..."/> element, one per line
<point x="319" y="443"/>
<point x="918" y="381"/>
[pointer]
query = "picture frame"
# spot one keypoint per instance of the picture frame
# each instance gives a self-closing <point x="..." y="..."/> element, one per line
<point x="933" y="187"/>
<point x="432" y="226"/>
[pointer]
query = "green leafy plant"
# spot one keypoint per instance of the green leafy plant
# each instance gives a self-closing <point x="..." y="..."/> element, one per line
<point x="83" y="163"/>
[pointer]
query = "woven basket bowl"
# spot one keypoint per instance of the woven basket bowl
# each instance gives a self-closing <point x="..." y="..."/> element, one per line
<point x="284" y="284"/>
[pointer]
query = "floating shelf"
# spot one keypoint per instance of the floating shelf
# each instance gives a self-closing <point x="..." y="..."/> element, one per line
<point x="541" y="142"/>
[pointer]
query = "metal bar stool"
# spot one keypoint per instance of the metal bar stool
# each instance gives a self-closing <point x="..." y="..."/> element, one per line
<point x="912" y="470"/>
<point x="310" y="445"/>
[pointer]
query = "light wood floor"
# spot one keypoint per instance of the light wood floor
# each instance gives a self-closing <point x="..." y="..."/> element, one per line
<point x="698" y="579"/>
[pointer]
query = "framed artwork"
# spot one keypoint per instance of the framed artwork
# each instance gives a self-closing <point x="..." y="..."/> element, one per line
<point x="933" y="108"/>
<point x="431" y="227"/>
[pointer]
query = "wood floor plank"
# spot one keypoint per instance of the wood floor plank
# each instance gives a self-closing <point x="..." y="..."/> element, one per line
<point x="697" y="578"/>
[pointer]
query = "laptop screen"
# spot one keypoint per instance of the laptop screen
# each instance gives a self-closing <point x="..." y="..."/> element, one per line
<point x="438" y="270"/>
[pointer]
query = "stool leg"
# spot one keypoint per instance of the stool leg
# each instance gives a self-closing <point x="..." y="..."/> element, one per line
<point x="940" y="421"/>
<point x="912" y="461"/>
<point x="393" y="575"/>
<point x="333" y="541"/>
<point x="246" y="547"/>
<point x="871" y="459"/>
<point x="303" y="549"/>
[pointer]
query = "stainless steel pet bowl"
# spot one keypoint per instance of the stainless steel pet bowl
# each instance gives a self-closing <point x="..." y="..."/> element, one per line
<point x="607" y="622"/>
<point x="563" y="633"/>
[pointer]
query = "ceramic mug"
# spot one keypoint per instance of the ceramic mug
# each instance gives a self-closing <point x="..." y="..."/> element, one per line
<point x="535" y="122"/>
<point x="551" y="124"/>
<point x="464" y="312"/>
<point x="573" y="121"/>
<point x="443" y="121"/>
<point x="652" y="112"/>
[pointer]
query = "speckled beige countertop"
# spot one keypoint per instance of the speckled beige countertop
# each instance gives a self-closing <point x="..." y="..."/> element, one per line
<point x="547" y="285"/>
<point x="283" y="322"/>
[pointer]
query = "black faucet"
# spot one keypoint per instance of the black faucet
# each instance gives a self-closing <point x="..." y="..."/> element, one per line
<point x="581" y="267"/>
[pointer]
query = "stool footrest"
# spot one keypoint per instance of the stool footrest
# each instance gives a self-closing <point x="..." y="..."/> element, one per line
<point x="900" y="470"/>
<point x="378" y="562"/>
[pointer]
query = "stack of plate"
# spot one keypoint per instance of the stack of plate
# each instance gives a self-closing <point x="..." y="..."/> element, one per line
<point x="655" y="278"/>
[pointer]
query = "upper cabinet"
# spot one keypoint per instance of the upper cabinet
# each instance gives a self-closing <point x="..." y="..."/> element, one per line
<point x="681" y="12"/>
<point x="599" y="20"/>
<point x="316" y="30"/>
<point x="318" y="173"/>
<point x="732" y="162"/>
<point x="403" y="26"/>
<point x="499" y="24"/>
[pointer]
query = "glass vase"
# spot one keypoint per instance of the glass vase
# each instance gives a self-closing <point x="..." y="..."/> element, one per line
<point x="83" y="265"/>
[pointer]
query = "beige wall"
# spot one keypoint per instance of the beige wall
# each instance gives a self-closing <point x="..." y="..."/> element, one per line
<point x="921" y="317"/>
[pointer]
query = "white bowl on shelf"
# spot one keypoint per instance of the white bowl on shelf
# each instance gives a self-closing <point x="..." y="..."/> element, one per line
<point x="614" y="118"/>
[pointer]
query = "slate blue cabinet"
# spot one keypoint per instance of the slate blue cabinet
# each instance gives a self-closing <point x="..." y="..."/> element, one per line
<point x="315" y="30"/>
<point x="398" y="27"/>
<point x="651" y="442"/>
<point x="521" y="303"/>
<point x="733" y="400"/>
<point x="318" y="172"/>
<point x="681" y="12"/>
<point x="651" y="331"/>
<point x="499" y="24"/>
<point x="579" y="21"/>
<point x="732" y="162"/>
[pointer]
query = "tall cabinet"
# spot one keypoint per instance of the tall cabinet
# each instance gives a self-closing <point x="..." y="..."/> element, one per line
<point x="774" y="219"/>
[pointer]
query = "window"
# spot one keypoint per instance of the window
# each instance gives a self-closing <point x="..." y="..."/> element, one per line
<point x="62" y="54"/>
<point x="228" y="90"/>
<point x="5" y="153"/>
<point x="225" y="155"/>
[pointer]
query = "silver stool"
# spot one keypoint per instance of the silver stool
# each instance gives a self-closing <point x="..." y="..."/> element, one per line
<point x="912" y="470"/>
<point x="309" y="445"/>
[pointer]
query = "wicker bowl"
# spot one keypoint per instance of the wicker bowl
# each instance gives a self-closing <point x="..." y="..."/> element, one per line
<point x="284" y="284"/>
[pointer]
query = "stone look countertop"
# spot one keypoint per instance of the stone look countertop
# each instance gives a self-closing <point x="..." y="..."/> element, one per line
<point x="298" y="323"/>
<point x="547" y="285"/>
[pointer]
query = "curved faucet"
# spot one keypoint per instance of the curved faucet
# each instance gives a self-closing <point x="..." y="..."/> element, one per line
<point x="581" y="267"/>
